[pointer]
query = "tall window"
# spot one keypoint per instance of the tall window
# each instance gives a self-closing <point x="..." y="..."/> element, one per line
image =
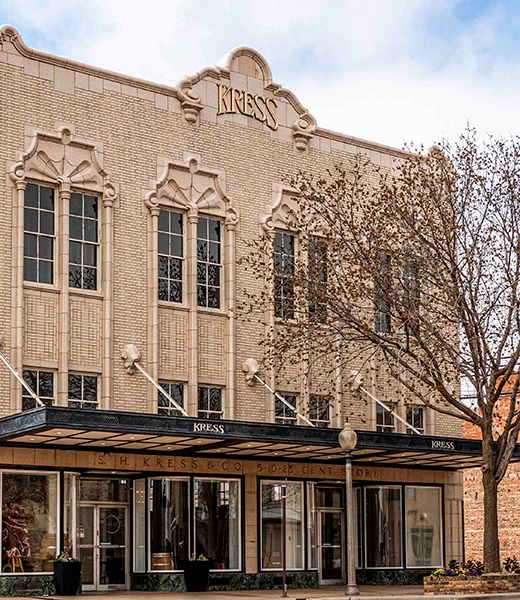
<point x="176" y="391"/>
<point x="83" y="391"/>
<point x="171" y="255"/>
<point x="317" y="260"/>
<point x="209" y="403"/>
<point x="412" y="298"/>
<point x="283" y="259"/>
<point x="29" y="522"/>
<point x="415" y="416"/>
<point x="382" y="318"/>
<point x="169" y="524"/>
<point x="217" y="522"/>
<point x="39" y="234"/>
<point x="319" y="411"/>
<point x="209" y="262"/>
<point x="272" y="526"/>
<point x="384" y="420"/>
<point x="383" y="526"/>
<point x="423" y="526"/>
<point x="42" y="384"/>
<point x="83" y="241"/>
<point x="283" y="414"/>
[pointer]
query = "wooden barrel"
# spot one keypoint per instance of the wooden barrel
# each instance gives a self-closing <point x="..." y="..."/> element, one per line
<point x="48" y="547"/>
<point x="162" y="561"/>
<point x="48" y="565"/>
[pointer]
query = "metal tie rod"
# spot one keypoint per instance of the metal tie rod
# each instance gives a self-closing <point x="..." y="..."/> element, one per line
<point x="131" y="357"/>
<point x="19" y="377"/>
<point x="251" y="368"/>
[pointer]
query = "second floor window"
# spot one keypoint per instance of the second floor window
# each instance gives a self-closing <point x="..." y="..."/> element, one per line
<point x="317" y="261"/>
<point x="385" y="422"/>
<point x="209" y="403"/>
<point x="83" y="241"/>
<point x="283" y="414"/>
<point x="415" y="416"/>
<point x="283" y="263"/>
<point x="319" y="411"/>
<point x="42" y="384"/>
<point x="176" y="391"/>
<point x="171" y="254"/>
<point x="209" y="262"/>
<point x="382" y="301"/>
<point x="83" y="391"/>
<point x="39" y="234"/>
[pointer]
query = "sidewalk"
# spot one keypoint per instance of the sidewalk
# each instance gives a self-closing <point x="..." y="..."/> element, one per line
<point x="413" y="592"/>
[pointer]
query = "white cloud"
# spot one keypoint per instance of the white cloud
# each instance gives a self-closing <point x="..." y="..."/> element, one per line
<point x="381" y="70"/>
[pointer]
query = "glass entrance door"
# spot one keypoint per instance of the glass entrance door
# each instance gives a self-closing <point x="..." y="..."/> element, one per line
<point x="331" y="545"/>
<point x="103" y="546"/>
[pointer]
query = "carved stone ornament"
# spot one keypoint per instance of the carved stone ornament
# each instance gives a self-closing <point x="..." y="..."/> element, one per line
<point x="130" y="356"/>
<point x="303" y="131"/>
<point x="279" y="213"/>
<point x="61" y="158"/>
<point x="187" y="186"/>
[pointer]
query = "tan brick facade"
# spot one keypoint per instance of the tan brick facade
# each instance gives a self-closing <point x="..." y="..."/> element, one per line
<point x="140" y="147"/>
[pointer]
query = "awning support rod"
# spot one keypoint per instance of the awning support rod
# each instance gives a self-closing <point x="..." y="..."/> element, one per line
<point x="251" y="369"/>
<point x="132" y="356"/>
<point x="21" y="380"/>
<point x="357" y="384"/>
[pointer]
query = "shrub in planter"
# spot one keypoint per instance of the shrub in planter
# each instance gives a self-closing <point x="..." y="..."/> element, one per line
<point x="67" y="575"/>
<point x="196" y="573"/>
<point x="511" y="565"/>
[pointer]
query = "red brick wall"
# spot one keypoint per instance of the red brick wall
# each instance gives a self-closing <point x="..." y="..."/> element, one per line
<point x="508" y="507"/>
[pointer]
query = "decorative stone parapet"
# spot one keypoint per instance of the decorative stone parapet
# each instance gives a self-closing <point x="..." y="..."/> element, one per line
<point x="489" y="583"/>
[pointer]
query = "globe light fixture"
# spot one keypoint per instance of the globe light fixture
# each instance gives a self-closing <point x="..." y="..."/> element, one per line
<point x="348" y="438"/>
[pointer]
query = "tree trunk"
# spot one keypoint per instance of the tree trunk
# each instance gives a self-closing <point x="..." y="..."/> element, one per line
<point x="491" y="541"/>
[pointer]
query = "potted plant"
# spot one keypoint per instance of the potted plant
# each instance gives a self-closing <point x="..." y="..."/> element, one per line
<point x="196" y="573"/>
<point x="67" y="575"/>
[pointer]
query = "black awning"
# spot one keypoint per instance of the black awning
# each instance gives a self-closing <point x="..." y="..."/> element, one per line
<point x="107" y="430"/>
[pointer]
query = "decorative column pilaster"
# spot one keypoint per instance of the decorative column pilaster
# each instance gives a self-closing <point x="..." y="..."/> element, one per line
<point x="17" y="295"/>
<point x="63" y="284"/>
<point x="193" y="220"/>
<point x="107" y="285"/>
<point x="230" y="299"/>
<point x="153" y="299"/>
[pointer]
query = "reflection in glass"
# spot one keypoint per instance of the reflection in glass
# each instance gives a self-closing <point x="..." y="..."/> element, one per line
<point x="217" y="522"/>
<point x="29" y="522"/>
<point x="169" y="519"/>
<point x="423" y="526"/>
<point x="140" y="525"/>
<point x="272" y="493"/>
<point x="383" y="526"/>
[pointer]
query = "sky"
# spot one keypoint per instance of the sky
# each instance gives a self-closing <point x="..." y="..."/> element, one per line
<point x="397" y="72"/>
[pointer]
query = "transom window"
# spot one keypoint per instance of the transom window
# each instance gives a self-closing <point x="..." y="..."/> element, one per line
<point x="319" y="411"/>
<point x="83" y="391"/>
<point x="384" y="420"/>
<point x="83" y="241"/>
<point x="171" y="255"/>
<point x="42" y="384"/>
<point x="283" y="259"/>
<point x="283" y="414"/>
<point x="176" y="391"/>
<point x="415" y="416"/>
<point x="39" y="233"/>
<point x="209" y="262"/>
<point x="209" y="403"/>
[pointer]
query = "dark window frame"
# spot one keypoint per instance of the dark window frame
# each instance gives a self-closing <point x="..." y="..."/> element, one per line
<point x="84" y="270"/>
<point x="171" y="256"/>
<point x="210" y="246"/>
<point x="81" y="402"/>
<point x="28" y="402"/>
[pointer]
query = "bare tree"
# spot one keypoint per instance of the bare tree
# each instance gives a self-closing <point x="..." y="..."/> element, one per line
<point x="419" y="269"/>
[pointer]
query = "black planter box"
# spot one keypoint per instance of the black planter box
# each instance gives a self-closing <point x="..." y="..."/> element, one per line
<point x="196" y="575"/>
<point x="67" y="578"/>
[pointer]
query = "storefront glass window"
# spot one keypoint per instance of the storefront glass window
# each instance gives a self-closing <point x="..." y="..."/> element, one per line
<point x="29" y="521"/>
<point x="272" y="514"/>
<point x="383" y="526"/>
<point x="217" y="522"/>
<point x="70" y="488"/>
<point x="140" y="525"/>
<point x="104" y="490"/>
<point x="169" y="522"/>
<point x="357" y="530"/>
<point x="312" y="525"/>
<point x="423" y="526"/>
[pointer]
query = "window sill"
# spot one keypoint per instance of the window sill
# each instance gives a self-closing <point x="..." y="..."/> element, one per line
<point x="41" y="287"/>
<point x="86" y="293"/>
<point x="220" y="312"/>
<point x="173" y="305"/>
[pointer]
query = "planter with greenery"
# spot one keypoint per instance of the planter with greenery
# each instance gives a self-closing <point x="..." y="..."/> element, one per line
<point x="67" y="575"/>
<point x="196" y="573"/>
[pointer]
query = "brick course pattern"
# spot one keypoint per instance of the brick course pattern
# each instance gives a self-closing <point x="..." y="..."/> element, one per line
<point x="485" y="584"/>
